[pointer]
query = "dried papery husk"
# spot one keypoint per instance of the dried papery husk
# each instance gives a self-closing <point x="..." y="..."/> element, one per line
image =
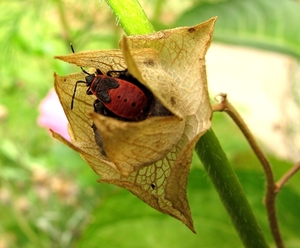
<point x="131" y="145"/>
<point x="143" y="60"/>
<point x="151" y="158"/>
<point x="139" y="143"/>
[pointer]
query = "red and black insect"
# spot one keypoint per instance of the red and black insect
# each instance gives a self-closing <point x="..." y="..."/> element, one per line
<point x="118" y="94"/>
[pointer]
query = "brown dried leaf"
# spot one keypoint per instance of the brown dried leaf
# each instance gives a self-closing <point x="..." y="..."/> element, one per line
<point x="151" y="158"/>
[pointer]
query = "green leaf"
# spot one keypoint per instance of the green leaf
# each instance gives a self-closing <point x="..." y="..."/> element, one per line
<point x="266" y="24"/>
<point x="124" y="221"/>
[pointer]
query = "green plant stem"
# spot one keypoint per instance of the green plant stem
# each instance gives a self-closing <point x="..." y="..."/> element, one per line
<point x="230" y="191"/>
<point x="131" y="16"/>
<point x="134" y="21"/>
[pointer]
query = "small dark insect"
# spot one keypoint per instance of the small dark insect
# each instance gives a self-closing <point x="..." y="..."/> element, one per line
<point x="152" y="186"/>
<point x="98" y="139"/>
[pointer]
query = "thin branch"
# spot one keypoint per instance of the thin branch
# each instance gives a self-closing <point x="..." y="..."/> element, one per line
<point x="283" y="180"/>
<point x="224" y="105"/>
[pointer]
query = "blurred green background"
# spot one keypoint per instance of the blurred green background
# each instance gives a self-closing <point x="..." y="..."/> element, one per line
<point x="49" y="197"/>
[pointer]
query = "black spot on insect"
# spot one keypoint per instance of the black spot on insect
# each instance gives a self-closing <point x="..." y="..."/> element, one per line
<point x="152" y="186"/>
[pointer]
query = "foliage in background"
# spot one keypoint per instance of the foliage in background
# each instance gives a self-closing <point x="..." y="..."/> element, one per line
<point x="49" y="197"/>
<point x="270" y="24"/>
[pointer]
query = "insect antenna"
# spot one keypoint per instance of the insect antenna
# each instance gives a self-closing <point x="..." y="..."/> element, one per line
<point x="83" y="70"/>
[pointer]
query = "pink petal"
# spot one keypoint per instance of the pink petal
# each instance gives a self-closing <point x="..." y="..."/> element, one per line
<point x="52" y="115"/>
